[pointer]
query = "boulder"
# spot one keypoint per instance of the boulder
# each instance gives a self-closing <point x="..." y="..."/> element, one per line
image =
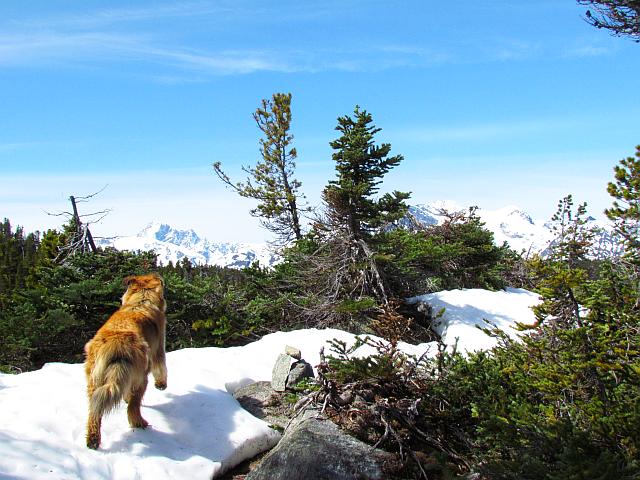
<point x="262" y="402"/>
<point x="313" y="447"/>
<point x="281" y="372"/>
<point x="299" y="371"/>
<point x="293" y="352"/>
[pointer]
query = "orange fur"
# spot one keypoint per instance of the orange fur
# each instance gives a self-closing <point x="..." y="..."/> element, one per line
<point x="123" y="352"/>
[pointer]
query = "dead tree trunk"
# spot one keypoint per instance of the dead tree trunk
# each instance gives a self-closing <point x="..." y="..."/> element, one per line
<point x="85" y="236"/>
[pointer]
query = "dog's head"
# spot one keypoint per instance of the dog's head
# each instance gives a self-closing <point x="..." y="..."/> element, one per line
<point x="149" y="287"/>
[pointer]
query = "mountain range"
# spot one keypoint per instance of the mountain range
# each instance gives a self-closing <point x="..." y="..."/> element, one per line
<point x="174" y="245"/>
<point x="516" y="227"/>
<point x="508" y="224"/>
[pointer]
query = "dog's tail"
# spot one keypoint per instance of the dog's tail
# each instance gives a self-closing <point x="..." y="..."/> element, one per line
<point x="121" y="364"/>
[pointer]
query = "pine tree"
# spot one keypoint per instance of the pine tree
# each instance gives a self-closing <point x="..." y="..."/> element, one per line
<point x="360" y="166"/>
<point x="561" y="276"/>
<point x="17" y="257"/>
<point x="573" y="237"/>
<point x="625" y="211"/>
<point x="341" y="278"/>
<point x="271" y="181"/>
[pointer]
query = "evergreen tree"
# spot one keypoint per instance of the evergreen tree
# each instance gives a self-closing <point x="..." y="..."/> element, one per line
<point x="457" y="253"/>
<point x="573" y="237"/>
<point x="18" y="257"/>
<point x="340" y="277"/>
<point x="360" y="166"/>
<point x="271" y="181"/>
<point x="562" y="276"/>
<point x="625" y="211"/>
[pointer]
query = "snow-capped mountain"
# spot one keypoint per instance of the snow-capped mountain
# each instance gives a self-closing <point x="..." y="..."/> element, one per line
<point x="173" y="245"/>
<point x="516" y="227"/>
<point x="508" y="224"/>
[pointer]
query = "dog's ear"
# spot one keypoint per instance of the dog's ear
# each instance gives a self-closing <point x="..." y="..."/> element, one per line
<point x="158" y="277"/>
<point x="129" y="280"/>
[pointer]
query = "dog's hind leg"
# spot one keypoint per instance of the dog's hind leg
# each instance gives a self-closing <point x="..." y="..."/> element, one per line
<point x="93" y="423"/>
<point x="133" y="408"/>
<point x="93" y="432"/>
<point x="159" y="369"/>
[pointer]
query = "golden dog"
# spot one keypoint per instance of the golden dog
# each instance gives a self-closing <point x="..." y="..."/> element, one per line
<point x="123" y="352"/>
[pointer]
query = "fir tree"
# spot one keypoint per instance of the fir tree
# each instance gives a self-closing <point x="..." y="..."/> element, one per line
<point x="562" y="276"/>
<point x="360" y="166"/>
<point x="625" y="211"/>
<point x="341" y="278"/>
<point x="573" y="237"/>
<point x="271" y="181"/>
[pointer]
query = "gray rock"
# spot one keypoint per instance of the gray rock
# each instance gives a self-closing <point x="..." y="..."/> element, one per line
<point x="262" y="402"/>
<point x="281" y="372"/>
<point x="299" y="371"/>
<point x="293" y="352"/>
<point x="315" y="448"/>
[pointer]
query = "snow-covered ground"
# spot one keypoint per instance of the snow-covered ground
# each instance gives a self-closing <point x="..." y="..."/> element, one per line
<point x="466" y="310"/>
<point x="198" y="430"/>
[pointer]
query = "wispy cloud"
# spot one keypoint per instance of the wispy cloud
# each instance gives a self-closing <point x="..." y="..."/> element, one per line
<point x="12" y="147"/>
<point x="102" y="37"/>
<point x="95" y="48"/>
<point x="509" y="49"/>
<point x="586" y="51"/>
<point x="112" y="16"/>
<point x="212" y="11"/>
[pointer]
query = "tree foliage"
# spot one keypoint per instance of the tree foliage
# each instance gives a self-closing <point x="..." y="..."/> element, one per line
<point x="458" y="253"/>
<point x="360" y="167"/>
<point x="625" y="212"/>
<point x="271" y="181"/>
<point x="337" y="273"/>
<point x="620" y="17"/>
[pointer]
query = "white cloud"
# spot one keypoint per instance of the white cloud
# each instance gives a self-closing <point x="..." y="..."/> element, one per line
<point x="587" y="51"/>
<point x="47" y="48"/>
<point x="110" y="16"/>
<point x="74" y="48"/>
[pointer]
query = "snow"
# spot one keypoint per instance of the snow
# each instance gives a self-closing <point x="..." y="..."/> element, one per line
<point x="508" y="224"/>
<point x="512" y="225"/>
<point x="173" y="245"/>
<point x="467" y="309"/>
<point x="198" y="430"/>
<point x="516" y="227"/>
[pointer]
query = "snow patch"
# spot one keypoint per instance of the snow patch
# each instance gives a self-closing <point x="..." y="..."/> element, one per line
<point x="468" y="309"/>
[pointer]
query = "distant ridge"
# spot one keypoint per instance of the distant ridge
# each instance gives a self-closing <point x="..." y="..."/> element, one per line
<point x="172" y="245"/>
<point x="516" y="227"/>
<point x="508" y="224"/>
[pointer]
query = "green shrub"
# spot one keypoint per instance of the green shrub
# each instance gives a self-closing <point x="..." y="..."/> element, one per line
<point x="458" y="254"/>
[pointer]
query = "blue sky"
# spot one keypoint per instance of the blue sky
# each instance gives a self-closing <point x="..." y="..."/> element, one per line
<point x="491" y="103"/>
